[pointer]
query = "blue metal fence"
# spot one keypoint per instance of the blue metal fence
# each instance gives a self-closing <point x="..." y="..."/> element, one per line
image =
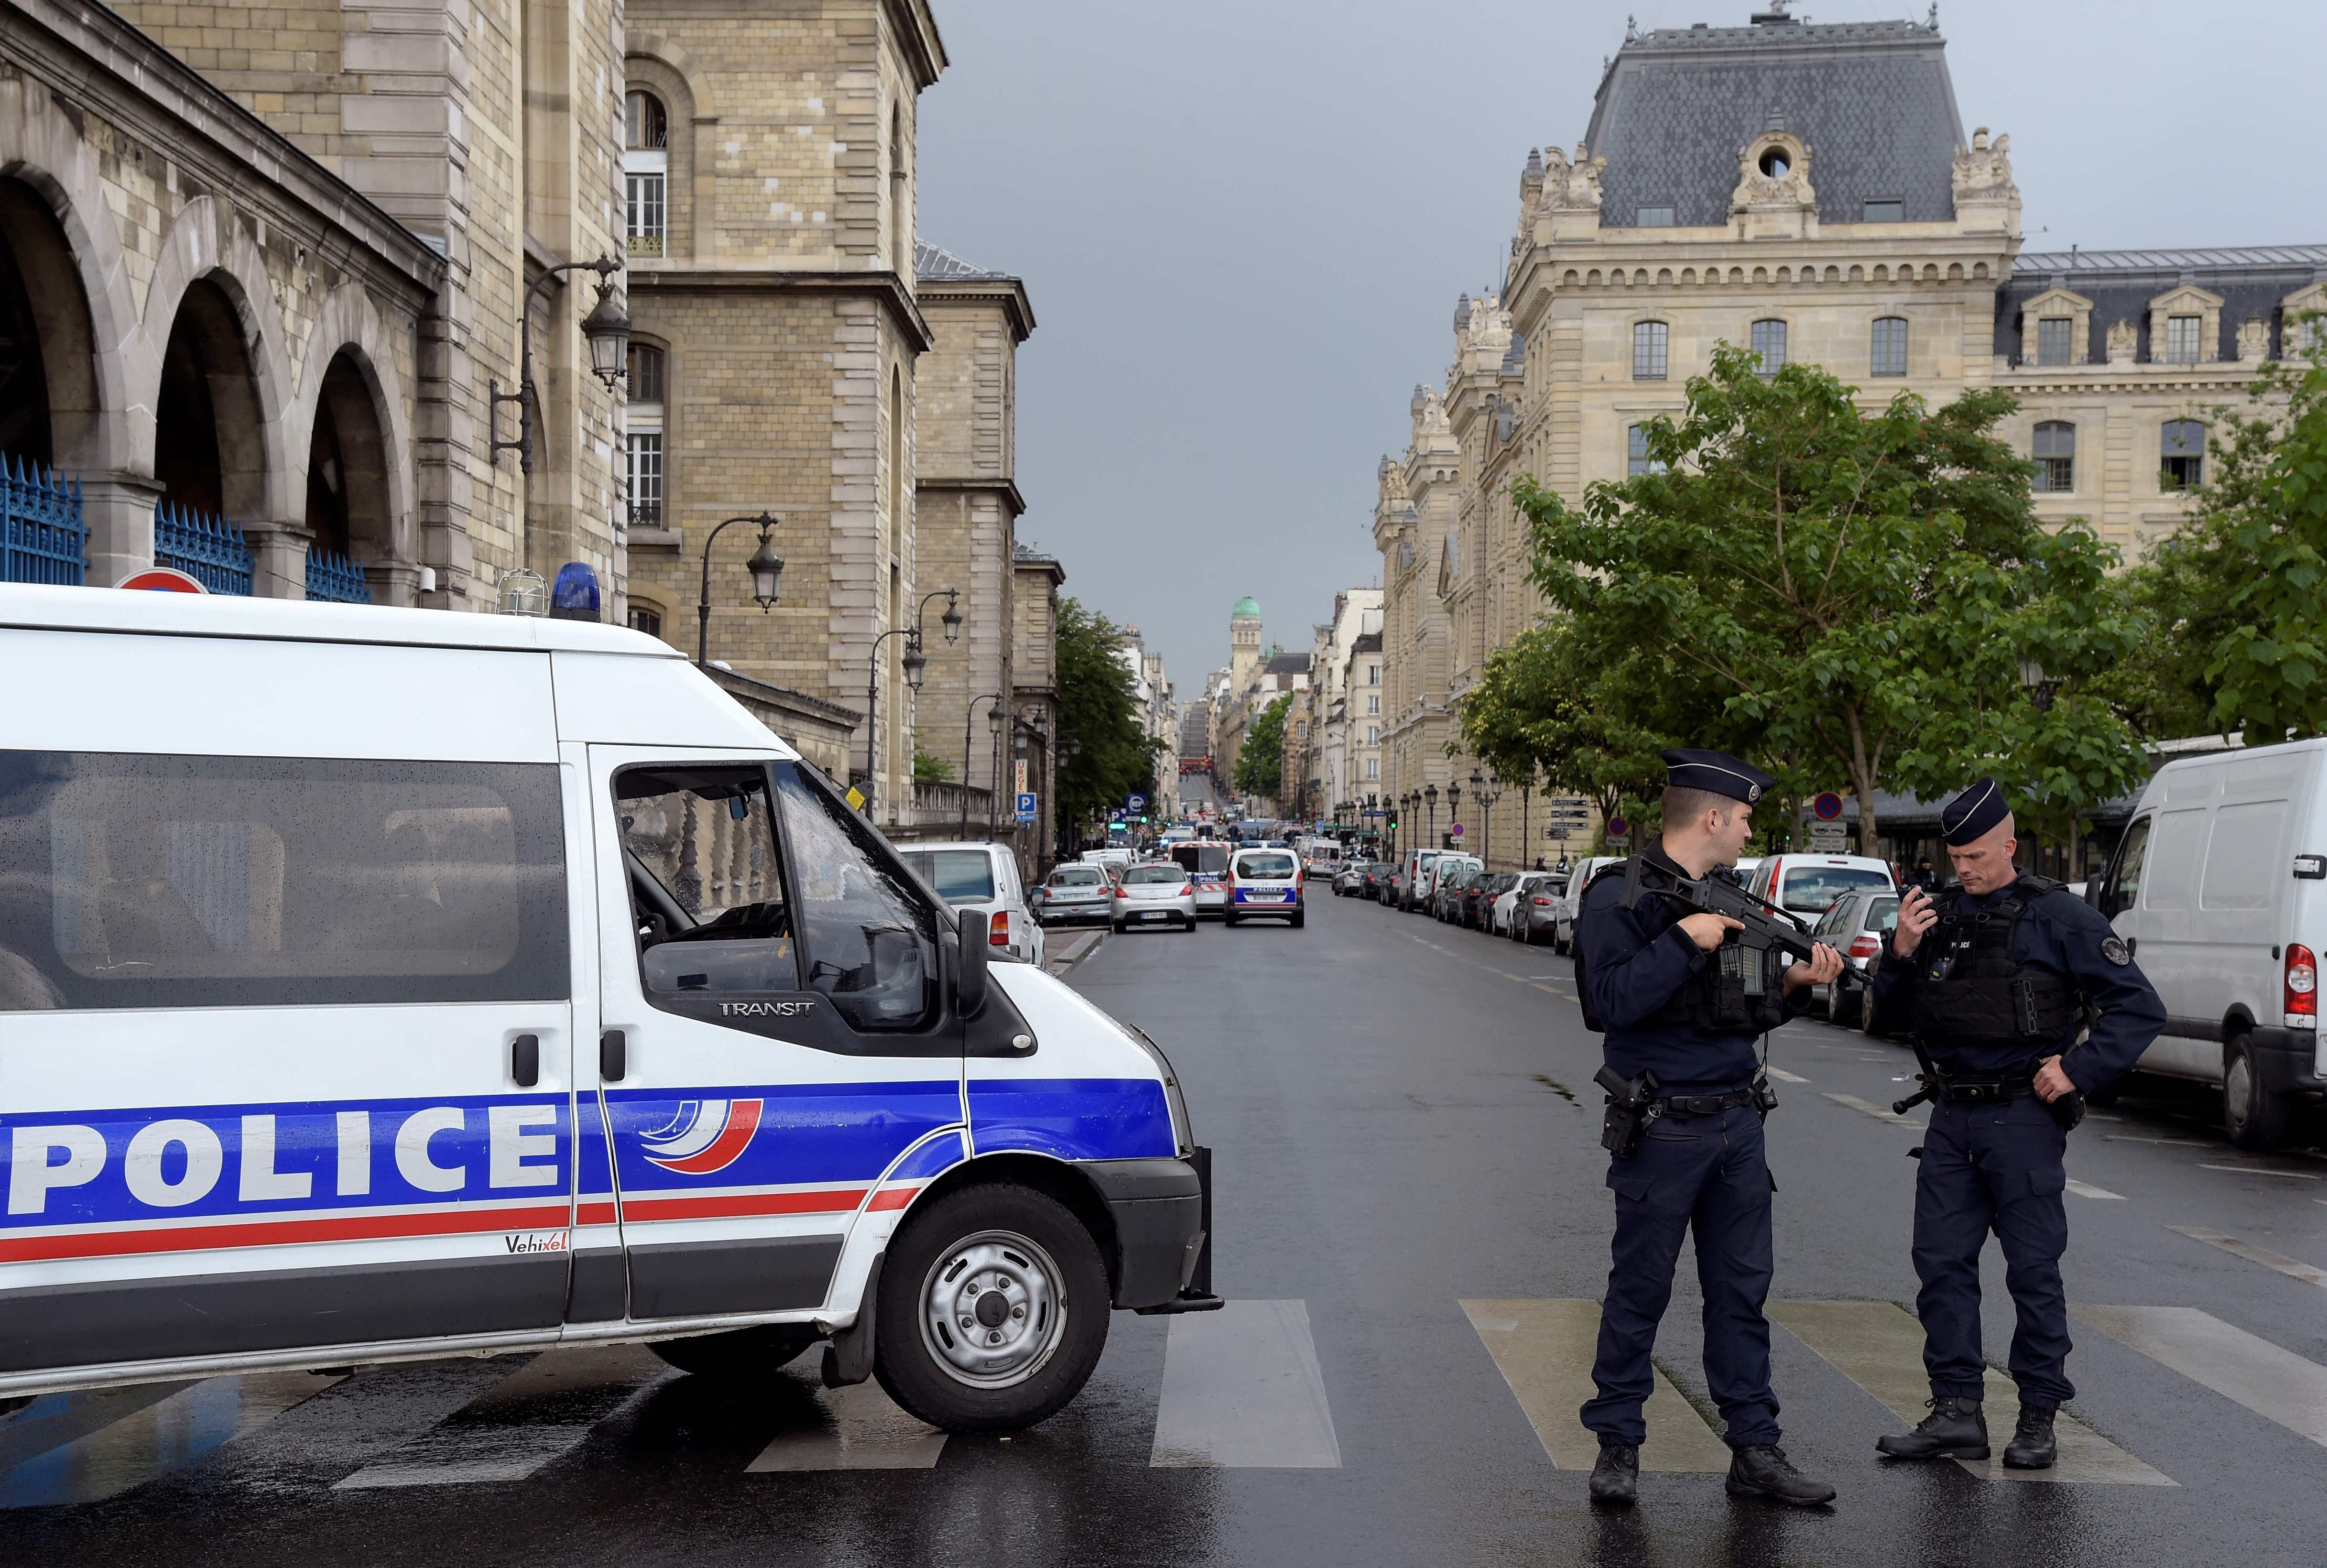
<point x="335" y="579"/>
<point x="43" y="539"/>
<point x="208" y="549"/>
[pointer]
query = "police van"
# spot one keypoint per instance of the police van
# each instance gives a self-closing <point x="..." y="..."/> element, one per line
<point x="378" y="984"/>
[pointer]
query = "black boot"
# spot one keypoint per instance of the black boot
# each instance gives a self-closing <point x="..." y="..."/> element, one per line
<point x="1765" y="1471"/>
<point x="1955" y="1429"/>
<point x="2031" y="1446"/>
<point x="1616" y="1476"/>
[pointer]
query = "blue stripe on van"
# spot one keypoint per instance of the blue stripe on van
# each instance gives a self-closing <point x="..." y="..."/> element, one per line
<point x="1071" y="1118"/>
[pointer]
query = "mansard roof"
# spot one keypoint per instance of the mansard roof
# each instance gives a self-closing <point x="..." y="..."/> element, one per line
<point x="2253" y="281"/>
<point x="1367" y="642"/>
<point x="930" y="263"/>
<point x="1873" y="101"/>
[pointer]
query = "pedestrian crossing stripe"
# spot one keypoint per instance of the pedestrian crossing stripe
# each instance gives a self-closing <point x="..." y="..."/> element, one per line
<point x="1544" y="1351"/>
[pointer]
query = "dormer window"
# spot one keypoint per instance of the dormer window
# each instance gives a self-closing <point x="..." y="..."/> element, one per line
<point x="1652" y="218"/>
<point x="2053" y="340"/>
<point x="1775" y="163"/>
<point x="1882" y="210"/>
<point x="2182" y="339"/>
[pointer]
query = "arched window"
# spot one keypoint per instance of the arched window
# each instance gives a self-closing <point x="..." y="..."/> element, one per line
<point x="646" y="173"/>
<point x="2056" y="458"/>
<point x="642" y="425"/>
<point x="1889" y="348"/>
<point x="1649" y="339"/>
<point x="2183" y="456"/>
<point x="1769" y="343"/>
<point x="1637" y="460"/>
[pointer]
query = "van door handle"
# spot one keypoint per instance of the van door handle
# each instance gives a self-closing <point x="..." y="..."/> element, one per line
<point x="613" y="1056"/>
<point x="525" y="1060"/>
<point x="2132" y="945"/>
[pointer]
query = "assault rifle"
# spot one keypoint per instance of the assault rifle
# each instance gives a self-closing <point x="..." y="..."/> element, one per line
<point x="1765" y="925"/>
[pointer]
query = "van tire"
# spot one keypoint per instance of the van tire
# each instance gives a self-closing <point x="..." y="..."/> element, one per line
<point x="910" y="1363"/>
<point x="738" y="1353"/>
<point x="1300" y="919"/>
<point x="2255" y="1117"/>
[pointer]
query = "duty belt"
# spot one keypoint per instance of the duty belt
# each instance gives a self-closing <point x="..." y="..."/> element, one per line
<point x="1703" y="1104"/>
<point x="1984" y="1091"/>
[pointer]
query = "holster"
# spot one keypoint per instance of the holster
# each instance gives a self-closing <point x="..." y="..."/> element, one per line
<point x="1765" y="1098"/>
<point x="1631" y="1107"/>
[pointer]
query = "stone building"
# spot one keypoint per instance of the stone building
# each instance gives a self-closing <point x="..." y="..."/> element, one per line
<point x="1807" y="192"/>
<point x="1323" y="769"/>
<point x="264" y="267"/>
<point x="1361" y="679"/>
<point x="767" y="171"/>
<point x="1033" y="723"/>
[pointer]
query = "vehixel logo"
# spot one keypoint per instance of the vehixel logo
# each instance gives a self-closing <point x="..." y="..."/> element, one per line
<point x="704" y="1136"/>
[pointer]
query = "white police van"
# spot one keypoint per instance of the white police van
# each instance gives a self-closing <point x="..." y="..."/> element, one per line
<point x="382" y="984"/>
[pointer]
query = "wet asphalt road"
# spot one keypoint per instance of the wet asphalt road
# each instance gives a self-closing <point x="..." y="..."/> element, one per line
<point x="1403" y="1122"/>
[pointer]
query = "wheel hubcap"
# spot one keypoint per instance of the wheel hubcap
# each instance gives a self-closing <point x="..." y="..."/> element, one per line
<point x="992" y="1309"/>
<point x="2235" y="1088"/>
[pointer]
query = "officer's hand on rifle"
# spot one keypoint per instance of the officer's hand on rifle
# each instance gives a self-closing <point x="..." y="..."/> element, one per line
<point x="1823" y="969"/>
<point x="2052" y="1082"/>
<point x="1915" y="917"/>
<point x="1708" y="930"/>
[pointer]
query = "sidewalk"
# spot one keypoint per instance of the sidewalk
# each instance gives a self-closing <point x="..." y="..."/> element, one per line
<point x="1071" y="950"/>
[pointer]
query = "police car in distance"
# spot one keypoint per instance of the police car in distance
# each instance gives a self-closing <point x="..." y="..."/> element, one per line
<point x="383" y="985"/>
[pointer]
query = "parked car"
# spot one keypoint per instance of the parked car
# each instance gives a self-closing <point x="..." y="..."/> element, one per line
<point x="1450" y="873"/>
<point x="1510" y="901"/>
<point x="1351" y="880"/>
<point x="1076" y="894"/>
<point x="293" y="988"/>
<point x="1535" y="912"/>
<point x="1807" y="884"/>
<point x="1206" y="862"/>
<point x="1375" y="876"/>
<point x="1857" y="926"/>
<point x="1478" y="910"/>
<point x="1571" y="898"/>
<point x="1266" y="882"/>
<point x="980" y="881"/>
<point x="1157" y="893"/>
<point x="2219" y="889"/>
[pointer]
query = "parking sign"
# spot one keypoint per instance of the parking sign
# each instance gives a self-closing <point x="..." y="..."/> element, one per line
<point x="1026" y="805"/>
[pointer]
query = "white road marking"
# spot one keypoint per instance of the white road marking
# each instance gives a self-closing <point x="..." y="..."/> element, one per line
<point x="1877" y="1112"/>
<point x="1544" y="1351"/>
<point x="1782" y="1075"/>
<point x="153" y="1438"/>
<point x="1879" y="1346"/>
<point x="2086" y="1190"/>
<point x="867" y="1432"/>
<point x="2171" y="1143"/>
<point x="2262" y="1170"/>
<point x="2275" y="1384"/>
<point x="2293" y="1268"/>
<point x="491" y="1438"/>
<point x="1242" y="1390"/>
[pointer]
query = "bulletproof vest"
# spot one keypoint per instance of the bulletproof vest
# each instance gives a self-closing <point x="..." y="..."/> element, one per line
<point x="1974" y="989"/>
<point x="1736" y="991"/>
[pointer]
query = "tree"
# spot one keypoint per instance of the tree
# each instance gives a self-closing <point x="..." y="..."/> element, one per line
<point x="1864" y="596"/>
<point x="1540" y="710"/>
<point x="1104" y="752"/>
<point x="1260" y="766"/>
<point x="928" y="769"/>
<point x="2241" y="640"/>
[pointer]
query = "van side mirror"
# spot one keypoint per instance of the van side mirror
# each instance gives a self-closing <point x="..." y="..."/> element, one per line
<point x="969" y="970"/>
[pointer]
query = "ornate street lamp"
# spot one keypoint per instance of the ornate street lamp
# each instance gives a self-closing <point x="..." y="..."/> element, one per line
<point x="767" y="569"/>
<point x="608" y="329"/>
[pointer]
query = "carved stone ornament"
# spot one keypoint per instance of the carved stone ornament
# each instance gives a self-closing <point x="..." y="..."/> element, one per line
<point x="2254" y="338"/>
<point x="1571" y="187"/>
<point x="1982" y="183"/>
<point x="1485" y="328"/>
<point x="2123" y="337"/>
<point x="1430" y="416"/>
<point x="1785" y="183"/>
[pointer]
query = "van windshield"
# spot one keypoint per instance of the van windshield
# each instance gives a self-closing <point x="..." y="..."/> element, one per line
<point x="1266" y="867"/>
<point x="1811" y="890"/>
<point x="960" y="875"/>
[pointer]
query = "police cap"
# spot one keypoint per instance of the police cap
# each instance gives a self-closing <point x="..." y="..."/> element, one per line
<point x="1971" y="814"/>
<point x="1717" y="774"/>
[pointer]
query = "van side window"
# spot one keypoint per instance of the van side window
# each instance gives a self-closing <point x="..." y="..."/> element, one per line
<point x="707" y="886"/>
<point x="869" y="943"/>
<point x="2125" y="881"/>
<point x="131" y="881"/>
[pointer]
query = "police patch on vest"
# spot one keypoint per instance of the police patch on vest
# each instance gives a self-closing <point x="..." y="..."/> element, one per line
<point x="2114" y="949"/>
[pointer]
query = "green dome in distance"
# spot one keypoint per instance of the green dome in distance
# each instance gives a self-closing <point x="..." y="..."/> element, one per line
<point x="1246" y="606"/>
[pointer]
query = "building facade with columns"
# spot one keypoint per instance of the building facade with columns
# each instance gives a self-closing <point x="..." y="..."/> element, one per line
<point x="1808" y="192"/>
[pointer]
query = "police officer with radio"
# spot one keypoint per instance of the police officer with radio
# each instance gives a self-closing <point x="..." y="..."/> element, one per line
<point x="1682" y="1002"/>
<point x="1996" y="979"/>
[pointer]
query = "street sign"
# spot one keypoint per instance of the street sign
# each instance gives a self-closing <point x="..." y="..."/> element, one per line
<point x="1832" y="837"/>
<point x="163" y="579"/>
<point x="1619" y="828"/>
<point x="856" y="799"/>
<point x="1021" y="785"/>
<point x="1025" y="800"/>
<point x="1455" y="831"/>
<point x="1828" y="807"/>
<point x="1135" y="803"/>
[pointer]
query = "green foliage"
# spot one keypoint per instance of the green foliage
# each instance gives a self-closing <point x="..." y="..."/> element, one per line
<point x="928" y="769"/>
<point x="1845" y="596"/>
<point x="2242" y="634"/>
<point x="1260" y="765"/>
<point x="1099" y="719"/>
<point x="1539" y="711"/>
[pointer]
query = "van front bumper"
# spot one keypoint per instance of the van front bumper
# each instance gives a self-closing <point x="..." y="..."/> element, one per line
<point x="1163" y="1215"/>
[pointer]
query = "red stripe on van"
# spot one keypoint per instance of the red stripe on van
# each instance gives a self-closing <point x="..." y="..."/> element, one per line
<point x="282" y="1232"/>
<point x="837" y="1201"/>
<point x="892" y="1198"/>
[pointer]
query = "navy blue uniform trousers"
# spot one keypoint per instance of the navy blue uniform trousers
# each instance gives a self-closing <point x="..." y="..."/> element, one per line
<point x="1705" y="1174"/>
<point x="1993" y="1168"/>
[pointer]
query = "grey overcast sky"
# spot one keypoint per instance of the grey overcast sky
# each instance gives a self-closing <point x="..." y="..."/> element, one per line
<point x="1244" y="225"/>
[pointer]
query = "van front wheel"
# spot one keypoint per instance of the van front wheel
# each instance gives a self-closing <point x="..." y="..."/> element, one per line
<point x="2256" y="1117"/>
<point x="994" y="1309"/>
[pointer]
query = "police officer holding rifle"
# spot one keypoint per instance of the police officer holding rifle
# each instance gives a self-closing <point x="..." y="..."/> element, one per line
<point x="1996" y="979"/>
<point x="1683" y="994"/>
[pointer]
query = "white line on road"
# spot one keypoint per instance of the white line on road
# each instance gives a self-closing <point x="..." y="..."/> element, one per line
<point x="867" y="1432"/>
<point x="2293" y="1268"/>
<point x="2275" y="1384"/>
<point x="2086" y="1190"/>
<point x="492" y="1438"/>
<point x="2174" y="1142"/>
<point x="1242" y="1390"/>
<point x="1544" y="1351"/>
<point x="1782" y="1075"/>
<point x="156" y="1438"/>
<point x="2262" y="1170"/>
<point x="1877" y="1112"/>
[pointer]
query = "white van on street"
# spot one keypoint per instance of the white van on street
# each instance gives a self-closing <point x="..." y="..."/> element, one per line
<point x="980" y="881"/>
<point x="1807" y="884"/>
<point x="386" y="984"/>
<point x="1266" y="882"/>
<point x="2219" y="887"/>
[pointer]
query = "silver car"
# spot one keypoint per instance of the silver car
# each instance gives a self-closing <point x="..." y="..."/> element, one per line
<point x="1155" y="894"/>
<point x="1076" y="895"/>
